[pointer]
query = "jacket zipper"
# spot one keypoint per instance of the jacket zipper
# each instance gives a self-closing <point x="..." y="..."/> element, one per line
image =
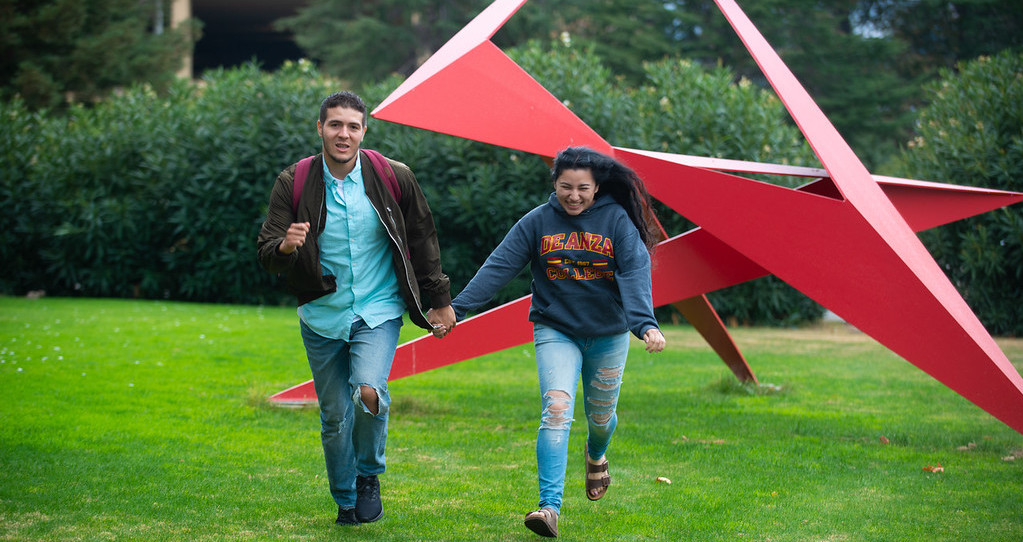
<point x="404" y="260"/>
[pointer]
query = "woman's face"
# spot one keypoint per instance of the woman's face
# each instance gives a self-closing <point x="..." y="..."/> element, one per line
<point x="575" y="190"/>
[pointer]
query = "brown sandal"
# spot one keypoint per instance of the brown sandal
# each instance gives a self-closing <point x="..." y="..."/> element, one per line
<point x="596" y="486"/>
<point x="543" y="522"/>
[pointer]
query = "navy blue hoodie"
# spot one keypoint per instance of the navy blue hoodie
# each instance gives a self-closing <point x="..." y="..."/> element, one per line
<point x="591" y="271"/>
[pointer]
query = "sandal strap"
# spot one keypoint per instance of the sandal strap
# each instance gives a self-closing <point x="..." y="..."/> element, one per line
<point x="600" y="482"/>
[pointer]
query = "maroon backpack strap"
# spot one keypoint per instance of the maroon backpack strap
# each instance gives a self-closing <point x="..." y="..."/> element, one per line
<point x="385" y="172"/>
<point x="301" y="172"/>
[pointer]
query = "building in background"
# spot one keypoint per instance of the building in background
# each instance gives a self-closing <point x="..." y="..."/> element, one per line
<point x="236" y="31"/>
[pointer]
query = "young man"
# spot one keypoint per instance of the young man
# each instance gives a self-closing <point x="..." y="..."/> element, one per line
<point x="356" y="258"/>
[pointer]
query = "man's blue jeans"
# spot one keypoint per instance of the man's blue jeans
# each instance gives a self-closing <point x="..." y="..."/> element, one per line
<point x="560" y="361"/>
<point x="353" y="437"/>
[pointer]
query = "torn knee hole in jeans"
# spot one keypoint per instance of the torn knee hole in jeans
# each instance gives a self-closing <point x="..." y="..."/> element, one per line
<point x="602" y="418"/>
<point x="364" y="393"/>
<point x="556" y="414"/>
<point x="608" y="378"/>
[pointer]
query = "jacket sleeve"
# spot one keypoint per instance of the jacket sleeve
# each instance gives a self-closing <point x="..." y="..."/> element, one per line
<point x="421" y="233"/>
<point x="279" y="217"/>
<point x="633" y="279"/>
<point x="503" y="264"/>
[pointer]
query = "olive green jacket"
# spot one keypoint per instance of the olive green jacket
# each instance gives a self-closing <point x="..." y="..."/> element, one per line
<point x="415" y="252"/>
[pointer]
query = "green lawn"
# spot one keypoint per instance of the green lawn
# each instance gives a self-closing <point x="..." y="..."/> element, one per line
<point x="132" y="420"/>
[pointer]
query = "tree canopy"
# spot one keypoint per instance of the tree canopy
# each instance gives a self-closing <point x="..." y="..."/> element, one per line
<point x="863" y="61"/>
<point x="84" y="49"/>
<point x="366" y="41"/>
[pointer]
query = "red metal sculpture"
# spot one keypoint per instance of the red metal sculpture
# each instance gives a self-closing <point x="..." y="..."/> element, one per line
<point x="845" y="240"/>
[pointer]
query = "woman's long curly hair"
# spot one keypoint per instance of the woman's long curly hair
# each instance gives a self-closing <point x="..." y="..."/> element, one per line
<point x="612" y="179"/>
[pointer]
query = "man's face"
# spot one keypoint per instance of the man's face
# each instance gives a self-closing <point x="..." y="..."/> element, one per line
<point x="342" y="133"/>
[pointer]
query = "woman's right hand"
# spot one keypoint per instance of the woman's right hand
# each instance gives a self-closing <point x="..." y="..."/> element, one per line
<point x="654" y="340"/>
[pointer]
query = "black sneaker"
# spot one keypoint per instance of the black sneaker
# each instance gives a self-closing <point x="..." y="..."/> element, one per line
<point x="346" y="516"/>
<point x="367" y="501"/>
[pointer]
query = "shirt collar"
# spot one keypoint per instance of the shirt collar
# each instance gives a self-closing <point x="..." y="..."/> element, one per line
<point x="354" y="174"/>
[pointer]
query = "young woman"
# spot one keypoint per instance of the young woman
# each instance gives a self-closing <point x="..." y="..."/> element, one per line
<point x="588" y="249"/>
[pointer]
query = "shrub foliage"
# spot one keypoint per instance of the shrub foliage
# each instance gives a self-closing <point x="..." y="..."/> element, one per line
<point x="153" y="196"/>
<point x="971" y="134"/>
<point x="162" y="196"/>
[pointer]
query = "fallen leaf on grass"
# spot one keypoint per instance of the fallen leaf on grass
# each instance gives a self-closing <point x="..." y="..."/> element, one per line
<point x="663" y="480"/>
<point x="884" y="439"/>
<point x="935" y="469"/>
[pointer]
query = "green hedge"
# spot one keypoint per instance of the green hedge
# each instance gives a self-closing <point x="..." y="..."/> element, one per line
<point x="162" y="196"/>
<point x="154" y="196"/>
<point x="971" y="134"/>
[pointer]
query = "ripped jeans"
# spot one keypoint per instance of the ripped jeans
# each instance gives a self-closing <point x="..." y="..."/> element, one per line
<point x="353" y="436"/>
<point x="560" y="361"/>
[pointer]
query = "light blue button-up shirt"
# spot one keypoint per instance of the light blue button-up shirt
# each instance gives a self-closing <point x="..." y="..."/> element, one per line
<point x="354" y="248"/>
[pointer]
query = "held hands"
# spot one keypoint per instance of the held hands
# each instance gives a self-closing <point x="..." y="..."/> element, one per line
<point x="654" y="340"/>
<point x="294" y="238"/>
<point x="443" y="320"/>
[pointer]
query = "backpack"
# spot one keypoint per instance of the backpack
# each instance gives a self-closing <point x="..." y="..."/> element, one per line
<point x="380" y="165"/>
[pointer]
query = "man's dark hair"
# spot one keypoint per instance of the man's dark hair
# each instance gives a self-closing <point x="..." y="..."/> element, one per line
<point x="346" y="99"/>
